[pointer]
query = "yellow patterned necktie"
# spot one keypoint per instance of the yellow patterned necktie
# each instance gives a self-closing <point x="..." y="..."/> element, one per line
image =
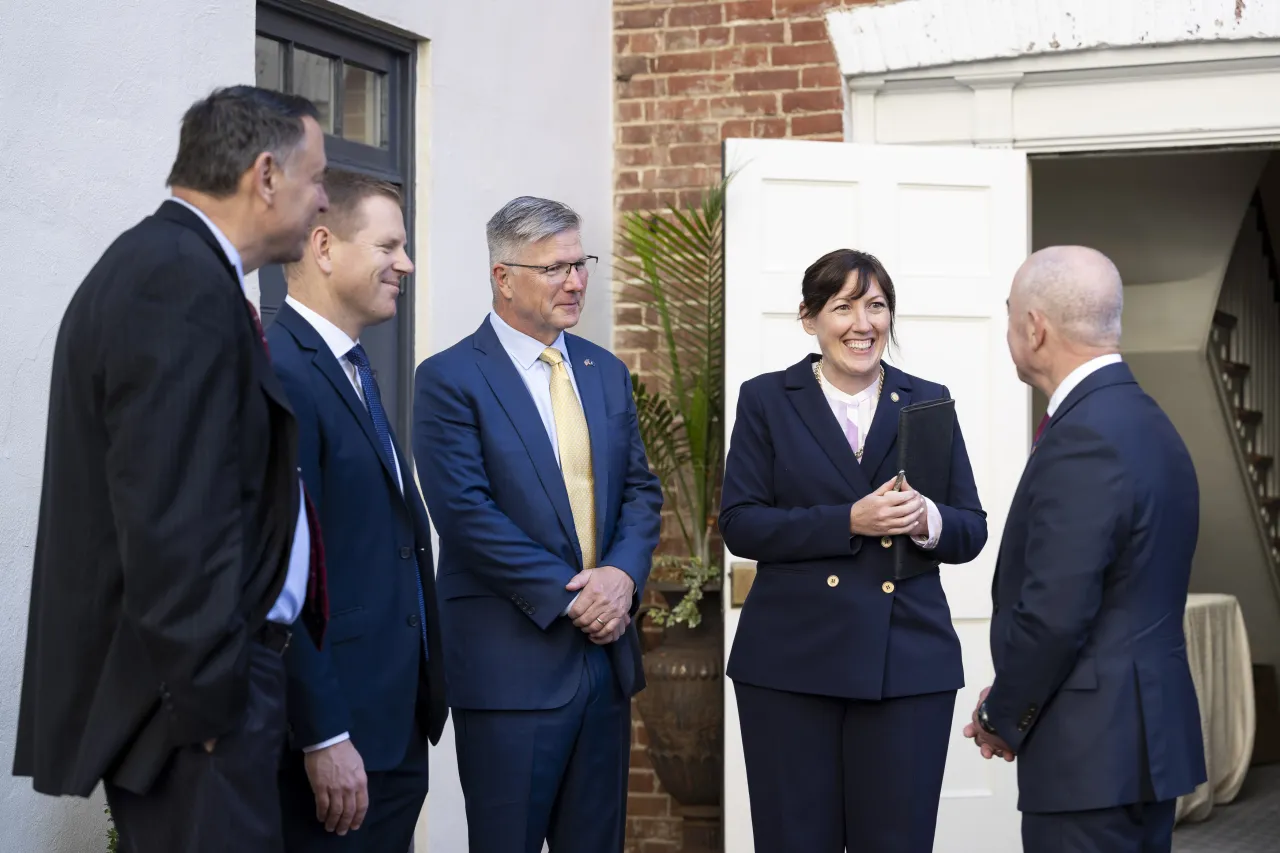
<point x="574" y="443"/>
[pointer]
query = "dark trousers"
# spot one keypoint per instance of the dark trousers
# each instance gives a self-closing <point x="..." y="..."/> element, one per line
<point x="1136" y="828"/>
<point x="826" y="774"/>
<point x="558" y="775"/>
<point x="225" y="800"/>
<point x="395" y="801"/>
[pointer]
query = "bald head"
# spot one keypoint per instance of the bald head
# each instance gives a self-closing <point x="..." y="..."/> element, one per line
<point x="1077" y="289"/>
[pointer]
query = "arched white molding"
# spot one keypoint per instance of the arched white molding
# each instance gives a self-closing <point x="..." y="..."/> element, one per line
<point x="910" y="34"/>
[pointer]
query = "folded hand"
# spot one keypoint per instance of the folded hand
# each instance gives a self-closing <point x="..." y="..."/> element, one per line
<point x="992" y="746"/>
<point x="886" y="512"/>
<point x="603" y="607"/>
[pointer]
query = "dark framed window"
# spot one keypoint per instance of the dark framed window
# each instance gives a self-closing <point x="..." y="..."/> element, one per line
<point x="362" y="81"/>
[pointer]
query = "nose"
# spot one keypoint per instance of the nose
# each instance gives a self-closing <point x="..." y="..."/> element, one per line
<point x="324" y="200"/>
<point x="575" y="280"/>
<point x="403" y="264"/>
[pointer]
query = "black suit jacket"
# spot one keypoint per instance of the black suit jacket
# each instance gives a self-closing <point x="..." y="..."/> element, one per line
<point x="368" y="678"/>
<point x="1092" y="685"/>
<point x="167" y="514"/>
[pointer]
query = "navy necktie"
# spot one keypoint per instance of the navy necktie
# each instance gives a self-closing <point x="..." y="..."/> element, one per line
<point x="373" y="400"/>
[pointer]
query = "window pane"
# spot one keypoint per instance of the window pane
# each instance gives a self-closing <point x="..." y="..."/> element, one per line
<point x="313" y="79"/>
<point x="269" y="60"/>
<point x="364" y="106"/>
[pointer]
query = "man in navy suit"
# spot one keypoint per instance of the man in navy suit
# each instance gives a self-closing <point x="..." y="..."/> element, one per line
<point x="531" y="462"/>
<point x="1092" y="689"/>
<point x="363" y="705"/>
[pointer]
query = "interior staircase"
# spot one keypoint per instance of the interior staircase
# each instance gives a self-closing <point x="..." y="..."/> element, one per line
<point x="1244" y="349"/>
<point x="1244" y="354"/>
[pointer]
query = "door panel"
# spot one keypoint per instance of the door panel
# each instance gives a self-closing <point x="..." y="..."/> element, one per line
<point x="951" y="227"/>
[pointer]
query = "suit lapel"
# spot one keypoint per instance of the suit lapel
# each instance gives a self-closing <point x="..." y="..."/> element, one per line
<point x="883" y="434"/>
<point x="591" y="390"/>
<point x="180" y="214"/>
<point x="811" y="404"/>
<point x="513" y="396"/>
<point x="327" y="363"/>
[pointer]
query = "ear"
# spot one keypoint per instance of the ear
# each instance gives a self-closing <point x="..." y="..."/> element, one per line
<point x="1037" y="329"/>
<point x="321" y="244"/>
<point x="266" y="175"/>
<point x="502" y="280"/>
<point x="807" y="322"/>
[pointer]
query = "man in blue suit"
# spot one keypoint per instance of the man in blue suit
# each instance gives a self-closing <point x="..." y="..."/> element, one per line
<point x="1092" y="690"/>
<point x="362" y="705"/>
<point x="531" y="462"/>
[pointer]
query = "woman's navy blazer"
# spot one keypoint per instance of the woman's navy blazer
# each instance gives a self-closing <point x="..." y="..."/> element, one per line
<point x="824" y="615"/>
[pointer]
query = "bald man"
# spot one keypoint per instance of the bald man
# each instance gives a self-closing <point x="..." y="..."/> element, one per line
<point x="1092" y="691"/>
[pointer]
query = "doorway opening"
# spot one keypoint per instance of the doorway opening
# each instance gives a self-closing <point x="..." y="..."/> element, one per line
<point x="1195" y="235"/>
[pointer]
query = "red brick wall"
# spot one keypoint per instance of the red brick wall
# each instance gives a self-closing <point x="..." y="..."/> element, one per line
<point x="688" y="74"/>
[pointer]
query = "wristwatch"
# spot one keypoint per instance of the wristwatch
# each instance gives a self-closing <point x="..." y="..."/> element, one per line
<point x="984" y="720"/>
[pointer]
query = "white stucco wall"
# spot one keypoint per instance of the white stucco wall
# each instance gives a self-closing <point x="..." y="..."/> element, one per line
<point x="515" y="98"/>
<point x="91" y="103"/>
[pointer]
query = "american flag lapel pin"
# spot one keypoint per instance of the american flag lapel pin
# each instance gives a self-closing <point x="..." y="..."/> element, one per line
<point x="588" y="362"/>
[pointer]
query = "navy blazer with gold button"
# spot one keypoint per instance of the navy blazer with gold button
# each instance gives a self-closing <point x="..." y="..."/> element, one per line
<point x="824" y="615"/>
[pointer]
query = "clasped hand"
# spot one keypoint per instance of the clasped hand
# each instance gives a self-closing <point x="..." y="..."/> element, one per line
<point x="886" y="512"/>
<point x="992" y="746"/>
<point x="603" y="608"/>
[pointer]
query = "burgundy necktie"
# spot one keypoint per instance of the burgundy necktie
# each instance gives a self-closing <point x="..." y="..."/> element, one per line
<point x="315" y="610"/>
<point x="1044" y="422"/>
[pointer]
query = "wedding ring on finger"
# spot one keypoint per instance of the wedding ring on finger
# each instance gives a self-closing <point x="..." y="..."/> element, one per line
<point x="601" y="621"/>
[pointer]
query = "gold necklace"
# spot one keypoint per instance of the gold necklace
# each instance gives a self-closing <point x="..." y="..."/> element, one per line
<point x="817" y="374"/>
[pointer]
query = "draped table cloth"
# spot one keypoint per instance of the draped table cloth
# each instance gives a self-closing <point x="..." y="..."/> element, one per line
<point x="1222" y="669"/>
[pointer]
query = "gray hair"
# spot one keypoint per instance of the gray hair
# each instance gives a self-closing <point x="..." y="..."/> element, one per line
<point x="1080" y="291"/>
<point x="526" y="220"/>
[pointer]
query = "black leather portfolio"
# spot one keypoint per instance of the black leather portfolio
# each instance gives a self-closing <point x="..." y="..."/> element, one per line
<point x="924" y="452"/>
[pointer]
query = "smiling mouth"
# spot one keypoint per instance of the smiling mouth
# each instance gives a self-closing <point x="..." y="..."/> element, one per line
<point x="859" y="346"/>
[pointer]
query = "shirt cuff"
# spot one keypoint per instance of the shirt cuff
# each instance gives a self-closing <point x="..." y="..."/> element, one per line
<point x="930" y="542"/>
<point x="569" y="606"/>
<point x="333" y="741"/>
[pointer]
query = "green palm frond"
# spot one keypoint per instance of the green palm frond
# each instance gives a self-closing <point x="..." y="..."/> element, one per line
<point x="674" y="262"/>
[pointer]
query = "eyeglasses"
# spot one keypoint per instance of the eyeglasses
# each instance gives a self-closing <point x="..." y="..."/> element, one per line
<point x="557" y="273"/>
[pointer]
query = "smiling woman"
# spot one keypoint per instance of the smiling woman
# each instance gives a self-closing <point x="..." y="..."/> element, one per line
<point x="810" y="494"/>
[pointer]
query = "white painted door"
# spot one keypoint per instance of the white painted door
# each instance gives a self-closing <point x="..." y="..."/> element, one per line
<point x="951" y="227"/>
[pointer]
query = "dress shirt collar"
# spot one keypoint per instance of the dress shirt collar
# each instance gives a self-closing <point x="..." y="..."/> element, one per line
<point x="229" y="250"/>
<point x="523" y="349"/>
<point x="1075" y="377"/>
<point x="834" y="393"/>
<point x="336" y="339"/>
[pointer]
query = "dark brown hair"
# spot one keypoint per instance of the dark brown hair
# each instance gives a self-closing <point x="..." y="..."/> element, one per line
<point x="827" y="276"/>
<point x="223" y="134"/>
<point x="346" y="191"/>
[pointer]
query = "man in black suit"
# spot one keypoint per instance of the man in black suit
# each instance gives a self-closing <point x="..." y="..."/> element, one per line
<point x="174" y="545"/>
<point x="363" y="705"/>
<point x="1092" y="690"/>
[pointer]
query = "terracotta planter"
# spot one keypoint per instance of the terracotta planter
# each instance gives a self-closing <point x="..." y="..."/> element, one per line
<point x="683" y="706"/>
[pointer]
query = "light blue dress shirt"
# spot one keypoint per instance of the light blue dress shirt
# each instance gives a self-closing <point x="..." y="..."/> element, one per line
<point x="289" y="604"/>
<point x="524" y="352"/>
<point x="536" y="375"/>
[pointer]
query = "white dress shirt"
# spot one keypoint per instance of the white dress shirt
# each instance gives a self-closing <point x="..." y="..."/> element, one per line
<point x="340" y="343"/>
<point x="536" y="375"/>
<point x="1075" y="377"/>
<point x="864" y="404"/>
<point x="289" y="603"/>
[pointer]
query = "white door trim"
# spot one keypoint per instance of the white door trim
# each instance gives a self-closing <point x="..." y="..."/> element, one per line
<point x="1061" y="75"/>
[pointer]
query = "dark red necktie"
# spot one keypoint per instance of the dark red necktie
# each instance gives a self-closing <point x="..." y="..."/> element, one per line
<point x="315" y="610"/>
<point x="1044" y="422"/>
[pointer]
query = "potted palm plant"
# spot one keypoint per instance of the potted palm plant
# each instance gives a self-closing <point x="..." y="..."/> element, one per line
<point x="673" y="264"/>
